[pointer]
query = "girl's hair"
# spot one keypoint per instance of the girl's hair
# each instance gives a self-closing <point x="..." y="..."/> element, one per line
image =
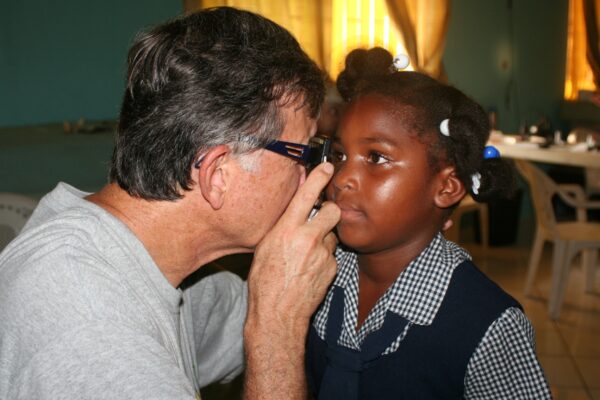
<point x="428" y="103"/>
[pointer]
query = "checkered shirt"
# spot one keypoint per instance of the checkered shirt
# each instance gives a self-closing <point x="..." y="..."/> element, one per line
<point x="504" y="365"/>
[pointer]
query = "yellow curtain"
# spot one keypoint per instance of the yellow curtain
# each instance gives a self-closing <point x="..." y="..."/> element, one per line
<point x="305" y="19"/>
<point x="364" y="24"/>
<point x="591" y="14"/>
<point x="579" y="75"/>
<point x="423" y="25"/>
<point x="329" y="29"/>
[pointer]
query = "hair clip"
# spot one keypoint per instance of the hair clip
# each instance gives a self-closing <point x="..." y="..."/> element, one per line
<point x="475" y="182"/>
<point x="401" y="61"/>
<point x="444" y="129"/>
<point x="490" y="152"/>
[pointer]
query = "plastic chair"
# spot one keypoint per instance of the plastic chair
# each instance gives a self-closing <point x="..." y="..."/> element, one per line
<point x="15" y="210"/>
<point x="592" y="181"/>
<point x="569" y="238"/>
<point x="468" y="205"/>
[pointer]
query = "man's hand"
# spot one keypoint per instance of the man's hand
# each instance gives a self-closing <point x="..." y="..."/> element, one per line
<point x="293" y="267"/>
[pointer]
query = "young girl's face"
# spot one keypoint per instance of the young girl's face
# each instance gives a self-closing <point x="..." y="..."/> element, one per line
<point x="383" y="182"/>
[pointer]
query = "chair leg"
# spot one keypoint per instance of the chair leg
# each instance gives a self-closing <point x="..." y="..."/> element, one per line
<point x="560" y="271"/>
<point x="534" y="260"/>
<point x="589" y="263"/>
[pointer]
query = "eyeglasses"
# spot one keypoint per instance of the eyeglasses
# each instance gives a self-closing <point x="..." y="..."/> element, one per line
<point x="307" y="155"/>
<point x="296" y="151"/>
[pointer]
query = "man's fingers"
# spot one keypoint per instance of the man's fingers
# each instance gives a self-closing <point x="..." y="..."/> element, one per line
<point x="330" y="241"/>
<point x="307" y="194"/>
<point x="326" y="219"/>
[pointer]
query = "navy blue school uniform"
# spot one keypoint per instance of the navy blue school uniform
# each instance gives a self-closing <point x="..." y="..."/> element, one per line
<point x="443" y="330"/>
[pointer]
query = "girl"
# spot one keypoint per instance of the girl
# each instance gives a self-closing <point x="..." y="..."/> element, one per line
<point x="409" y="316"/>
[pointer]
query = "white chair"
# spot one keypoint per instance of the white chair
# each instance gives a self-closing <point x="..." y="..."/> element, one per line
<point x="15" y="210"/>
<point x="592" y="181"/>
<point x="468" y="205"/>
<point x="569" y="238"/>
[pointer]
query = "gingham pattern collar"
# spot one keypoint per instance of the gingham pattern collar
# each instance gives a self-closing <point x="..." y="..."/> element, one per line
<point x="419" y="290"/>
<point x="416" y="294"/>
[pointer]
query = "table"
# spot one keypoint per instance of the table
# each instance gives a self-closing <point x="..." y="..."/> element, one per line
<point x="572" y="155"/>
<point x="33" y="159"/>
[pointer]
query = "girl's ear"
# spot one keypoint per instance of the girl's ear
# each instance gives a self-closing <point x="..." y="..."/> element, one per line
<point x="451" y="190"/>
<point x="212" y="176"/>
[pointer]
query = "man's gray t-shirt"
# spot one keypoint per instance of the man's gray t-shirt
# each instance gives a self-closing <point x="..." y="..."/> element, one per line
<point x="86" y="313"/>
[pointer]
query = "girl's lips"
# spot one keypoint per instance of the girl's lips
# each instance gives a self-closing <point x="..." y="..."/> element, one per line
<point x="349" y="212"/>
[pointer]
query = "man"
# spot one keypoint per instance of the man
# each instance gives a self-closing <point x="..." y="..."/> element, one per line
<point x="98" y="296"/>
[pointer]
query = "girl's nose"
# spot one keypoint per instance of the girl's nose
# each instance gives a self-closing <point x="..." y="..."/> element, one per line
<point x="344" y="178"/>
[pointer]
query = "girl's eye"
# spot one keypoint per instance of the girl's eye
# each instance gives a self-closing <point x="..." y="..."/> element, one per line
<point x="337" y="156"/>
<point x="376" y="158"/>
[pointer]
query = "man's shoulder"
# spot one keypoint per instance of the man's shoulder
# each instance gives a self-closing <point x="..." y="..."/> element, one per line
<point x="65" y="227"/>
<point x="63" y="268"/>
<point x="55" y="281"/>
<point x="62" y="198"/>
<point x="53" y="246"/>
<point x="53" y="268"/>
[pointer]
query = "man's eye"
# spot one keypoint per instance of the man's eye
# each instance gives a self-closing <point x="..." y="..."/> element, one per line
<point x="376" y="158"/>
<point x="337" y="156"/>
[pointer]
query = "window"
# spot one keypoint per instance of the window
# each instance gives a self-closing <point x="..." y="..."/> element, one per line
<point x="361" y="23"/>
<point x="342" y="25"/>
<point x="579" y="74"/>
<point x="329" y="29"/>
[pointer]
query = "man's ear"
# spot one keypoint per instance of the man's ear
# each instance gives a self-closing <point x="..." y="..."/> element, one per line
<point x="451" y="190"/>
<point x="212" y="177"/>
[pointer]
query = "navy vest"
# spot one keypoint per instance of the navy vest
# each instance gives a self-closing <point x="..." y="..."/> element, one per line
<point x="431" y="361"/>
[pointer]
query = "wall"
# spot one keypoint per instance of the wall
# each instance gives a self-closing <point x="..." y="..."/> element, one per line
<point x="66" y="61"/>
<point x="63" y="60"/>
<point x="509" y="55"/>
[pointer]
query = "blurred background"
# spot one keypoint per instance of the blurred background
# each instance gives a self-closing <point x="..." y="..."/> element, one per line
<point x="63" y="63"/>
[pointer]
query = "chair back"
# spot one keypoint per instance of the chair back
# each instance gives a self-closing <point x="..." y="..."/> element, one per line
<point x="15" y="210"/>
<point x="542" y="188"/>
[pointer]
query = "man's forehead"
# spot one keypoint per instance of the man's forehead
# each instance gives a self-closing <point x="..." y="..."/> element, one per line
<point x="300" y="101"/>
<point x="298" y="120"/>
